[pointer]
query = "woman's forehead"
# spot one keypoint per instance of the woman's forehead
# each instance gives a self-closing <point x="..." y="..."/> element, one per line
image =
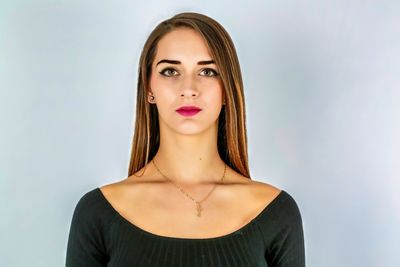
<point x="183" y="45"/>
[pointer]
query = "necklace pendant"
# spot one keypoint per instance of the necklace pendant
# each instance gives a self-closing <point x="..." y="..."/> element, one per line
<point x="198" y="209"/>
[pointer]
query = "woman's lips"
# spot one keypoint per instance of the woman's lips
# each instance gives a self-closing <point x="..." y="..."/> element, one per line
<point x="188" y="112"/>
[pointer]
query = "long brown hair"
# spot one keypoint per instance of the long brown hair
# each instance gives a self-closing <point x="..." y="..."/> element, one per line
<point x="232" y="135"/>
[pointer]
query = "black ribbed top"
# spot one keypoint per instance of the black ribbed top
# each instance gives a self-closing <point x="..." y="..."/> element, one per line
<point x="100" y="236"/>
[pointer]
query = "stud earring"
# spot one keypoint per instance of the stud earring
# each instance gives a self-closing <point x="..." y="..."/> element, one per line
<point x="151" y="98"/>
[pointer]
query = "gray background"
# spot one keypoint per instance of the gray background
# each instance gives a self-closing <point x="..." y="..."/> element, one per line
<point x="322" y="96"/>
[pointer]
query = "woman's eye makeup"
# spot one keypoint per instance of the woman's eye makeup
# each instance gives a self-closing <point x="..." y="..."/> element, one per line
<point x="214" y="72"/>
<point x="169" y="72"/>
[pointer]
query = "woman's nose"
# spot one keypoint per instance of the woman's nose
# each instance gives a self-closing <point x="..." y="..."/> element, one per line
<point x="189" y="86"/>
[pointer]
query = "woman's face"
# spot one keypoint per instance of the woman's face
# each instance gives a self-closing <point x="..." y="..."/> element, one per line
<point x="183" y="76"/>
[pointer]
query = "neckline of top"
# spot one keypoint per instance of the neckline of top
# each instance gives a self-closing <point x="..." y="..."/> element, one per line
<point x="175" y="238"/>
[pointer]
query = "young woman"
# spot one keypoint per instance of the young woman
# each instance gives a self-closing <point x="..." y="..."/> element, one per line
<point x="188" y="199"/>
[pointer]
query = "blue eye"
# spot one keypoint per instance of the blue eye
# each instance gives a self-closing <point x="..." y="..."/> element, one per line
<point x="167" y="70"/>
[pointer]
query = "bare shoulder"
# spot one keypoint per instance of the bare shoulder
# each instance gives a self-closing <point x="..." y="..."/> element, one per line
<point x="261" y="191"/>
<point x="265" y="189"/>
<point x="265" y="193"/>
<point x="246" y="195"/>
<point x="124" y="190"/>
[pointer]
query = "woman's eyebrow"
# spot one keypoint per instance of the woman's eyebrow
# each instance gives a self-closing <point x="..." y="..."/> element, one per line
<point x="204" y="62"/>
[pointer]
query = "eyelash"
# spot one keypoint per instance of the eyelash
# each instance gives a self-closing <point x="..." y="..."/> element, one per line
<point x="171" y="69"/>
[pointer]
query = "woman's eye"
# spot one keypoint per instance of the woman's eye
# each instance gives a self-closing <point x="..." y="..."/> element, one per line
<point x="210" y="72"/>
<point x="167" y="72"/>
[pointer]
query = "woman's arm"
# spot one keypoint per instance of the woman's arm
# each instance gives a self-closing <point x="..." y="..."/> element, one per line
<point x="85" y="242"/>
<point x="287" y="246"/>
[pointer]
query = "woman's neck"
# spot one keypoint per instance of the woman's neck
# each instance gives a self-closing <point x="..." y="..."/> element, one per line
<point x="191" y="167"/>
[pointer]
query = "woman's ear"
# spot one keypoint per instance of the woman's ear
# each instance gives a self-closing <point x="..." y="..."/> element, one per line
<point x="150" y="97"/>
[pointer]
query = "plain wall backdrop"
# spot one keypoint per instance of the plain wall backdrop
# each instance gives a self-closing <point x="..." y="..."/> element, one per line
<point x="321" y="81"/>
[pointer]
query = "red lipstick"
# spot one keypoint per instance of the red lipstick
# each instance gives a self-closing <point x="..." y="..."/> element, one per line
<point x="188" y="110"/>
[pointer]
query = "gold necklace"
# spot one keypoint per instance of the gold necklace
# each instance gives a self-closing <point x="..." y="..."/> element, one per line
<point x="198" y="205"/>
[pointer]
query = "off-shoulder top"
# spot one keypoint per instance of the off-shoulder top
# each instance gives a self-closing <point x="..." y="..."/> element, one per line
<point x="100" y="236"/>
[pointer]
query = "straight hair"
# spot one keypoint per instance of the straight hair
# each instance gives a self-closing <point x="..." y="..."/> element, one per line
<point x="232" y="135"/>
